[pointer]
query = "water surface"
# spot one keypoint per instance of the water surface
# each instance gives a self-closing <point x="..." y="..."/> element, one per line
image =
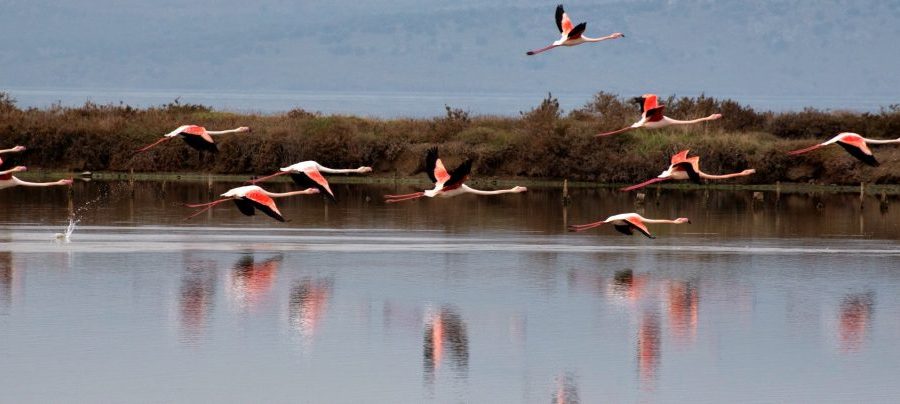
<point x="795" y="298"/>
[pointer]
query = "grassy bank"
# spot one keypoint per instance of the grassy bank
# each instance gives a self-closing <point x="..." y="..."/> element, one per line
<point x="544" y="142"/>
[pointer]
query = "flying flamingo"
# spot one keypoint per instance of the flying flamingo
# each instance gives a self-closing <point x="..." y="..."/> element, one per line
<point x="626" y="223"/>
<point x="196" y="137"/>
<point x="571" y="35"/>
<point x="683" y="168"/>
<point x="854" y="144"/>
<point x="652" y="116"/>
<point x="251" y="198"/>
<point x="308" y="174"/>
<point x="8" y="180"/>
<point x="447" y="184"/>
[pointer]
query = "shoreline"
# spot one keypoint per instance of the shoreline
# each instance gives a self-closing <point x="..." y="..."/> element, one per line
<point x="543" y="183"/>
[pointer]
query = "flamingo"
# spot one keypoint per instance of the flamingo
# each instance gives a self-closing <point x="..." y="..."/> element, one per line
<point x="626" y="223"/>
<point x="195" y="136"/>
<point x="308" y="174"/>
<point x="854" y="144"/>
<point x="652" y="116"/>
<point x="8" y="180"/>
<point x="447" y="184"/>
<point x="250" y="198"/>
<point x="571" y="35"/>
<point x="683" y="168"/>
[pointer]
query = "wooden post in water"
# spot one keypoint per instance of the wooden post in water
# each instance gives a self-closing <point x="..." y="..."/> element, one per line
<point x="209" y="184"/>
<point x="777" y="192"/>
<point x="566" y="199"/>
<point x="131" y="181"/>
<point x="862" y="194"/>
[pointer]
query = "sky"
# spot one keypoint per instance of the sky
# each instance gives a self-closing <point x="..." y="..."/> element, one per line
<point x="809" y="52"/>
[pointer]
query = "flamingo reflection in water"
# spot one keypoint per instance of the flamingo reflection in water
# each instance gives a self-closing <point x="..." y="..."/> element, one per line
<point x="309" y="301"/>
<point x="445" y="334"/>
<point x="250" y="281"/>
<point x="855" y="319"/>
<point x="7" y="278"/>
<point x="196" y="296"/>
<point x="566" y="390"/>
<point x="649" y="344"/>
<point x="683" y="304"/>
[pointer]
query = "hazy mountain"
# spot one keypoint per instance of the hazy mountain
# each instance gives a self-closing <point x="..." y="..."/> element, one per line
<point x="731" y="47"/>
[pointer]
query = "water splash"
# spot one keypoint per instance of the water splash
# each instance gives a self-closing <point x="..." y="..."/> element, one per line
<point x="65" y="237"/>
<point x="107" y="194"/>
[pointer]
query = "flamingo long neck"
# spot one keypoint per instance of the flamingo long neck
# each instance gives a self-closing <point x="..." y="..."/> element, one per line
<point x="7" y="151"/>
<point x="281" y="195"/>
<point x="690" y="122"/>
<point x="723" y="176"/>
<point x="480" y="192"/>
<point x="588" y="39"/>
<point x="7" y="172"/>
<point x="659" y="221"/>
<point x="338" y="170"/>
<point x="37" y="184"/>
<point x="223" y="132"/>
<point x="882" y="141"/>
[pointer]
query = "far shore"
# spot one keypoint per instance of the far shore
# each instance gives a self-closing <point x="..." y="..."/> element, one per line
<point x="544" y="142"/>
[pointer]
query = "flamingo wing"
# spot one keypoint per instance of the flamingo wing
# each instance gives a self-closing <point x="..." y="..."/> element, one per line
<point x="196" y="131"/>
<point x="640" y="102"/>
<point x="688" y="168"/>
<point x="680" y="157"/>
<point x="197" y="137"/>
<point x="312" y="178"/>
<point x="200" y="143"/>
<point x="576" y="32"/>
<point x="624" y="229"/>
<point x="434" y="167"/>
<point x="459" y="175"/>
<point x="655" y="114"/>
<point x="862" y="153"/>
<point x="264" y="203"/>
<point x="246" y="207"/>
<point x="562" y="20"/>
<point x="638" y="225"/>
<point x="5" y="167"/>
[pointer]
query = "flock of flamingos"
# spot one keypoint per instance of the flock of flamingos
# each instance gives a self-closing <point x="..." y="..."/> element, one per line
<point x="308" y="174"/>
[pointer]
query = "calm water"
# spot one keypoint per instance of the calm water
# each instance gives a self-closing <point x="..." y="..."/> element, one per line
<point x="461" y="300"/>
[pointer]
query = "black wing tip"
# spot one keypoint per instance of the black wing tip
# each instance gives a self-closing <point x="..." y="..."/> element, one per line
<point x="466" y="165"/>
<point x="578" y="30"/>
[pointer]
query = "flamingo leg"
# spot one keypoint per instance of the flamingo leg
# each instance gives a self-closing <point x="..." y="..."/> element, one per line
<point x="145" y="148"/>
<point x="643" y="184"/>
<point x="268" y="177"/>
<point x="615" y="132"/>
<point x="583" y="227"/>
<point x="536" y="51"/>
<point x="801" y="151"/>
<point x="205" y="206"/>
<point x="401" y="198"/>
